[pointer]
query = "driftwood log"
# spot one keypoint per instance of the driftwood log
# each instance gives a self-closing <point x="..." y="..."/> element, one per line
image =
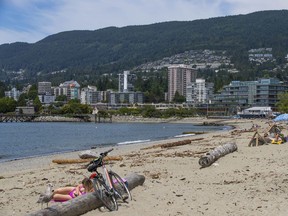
<point x="213" y="155"/>
<point x="70" y="161"/>
<point x="179" y="143"/>
<point x="83" y="204"/>
<point x="172" y="144"/>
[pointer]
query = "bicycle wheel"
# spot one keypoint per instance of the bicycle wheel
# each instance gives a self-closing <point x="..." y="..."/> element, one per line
<point x="103" y="193"/>
<point x="120" y="187"/>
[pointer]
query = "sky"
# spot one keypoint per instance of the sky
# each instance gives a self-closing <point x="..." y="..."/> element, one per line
<point x="32" y="20"/>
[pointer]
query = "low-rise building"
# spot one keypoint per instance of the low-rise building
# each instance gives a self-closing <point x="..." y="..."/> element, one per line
<point x="25" y="110"/>
<point x="125" y="97"/>
<point x="244" y="94"/>
<point x="46" y="99"/>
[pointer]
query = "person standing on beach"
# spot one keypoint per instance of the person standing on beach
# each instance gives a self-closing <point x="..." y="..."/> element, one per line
<point x="67" y="193"/>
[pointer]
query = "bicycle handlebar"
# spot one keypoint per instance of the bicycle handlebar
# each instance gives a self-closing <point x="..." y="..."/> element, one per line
<point x="106" y="152"/>
<point x="92" y="166"/>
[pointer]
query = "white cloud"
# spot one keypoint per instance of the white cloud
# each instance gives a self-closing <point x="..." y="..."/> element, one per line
<point x="11" y="36"/>
<point x="46" y="17"/>
<point x="91" y="14"/>
<point x="249" y="6"/>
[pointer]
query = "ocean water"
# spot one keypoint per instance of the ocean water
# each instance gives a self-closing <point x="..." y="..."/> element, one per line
<point x="22" y="140"/>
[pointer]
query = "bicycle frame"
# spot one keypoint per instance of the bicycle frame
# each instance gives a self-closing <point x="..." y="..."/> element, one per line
<point x="106" y="179"/>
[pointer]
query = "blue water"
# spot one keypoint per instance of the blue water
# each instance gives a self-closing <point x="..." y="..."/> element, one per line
<point x="21" y="140"/>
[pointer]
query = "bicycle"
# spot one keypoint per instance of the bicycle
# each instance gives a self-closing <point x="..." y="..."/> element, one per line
<point x="108" y="185"/>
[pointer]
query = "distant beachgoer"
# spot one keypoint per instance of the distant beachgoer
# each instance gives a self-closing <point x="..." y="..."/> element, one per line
<point x="67" y="193"/>
<point x="278" y="137"/>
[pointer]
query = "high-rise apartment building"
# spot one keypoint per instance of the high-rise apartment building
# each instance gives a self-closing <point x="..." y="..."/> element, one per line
<point x="178" y="78"/>
<point x="71" y="89"/>
<point x="126" y="82"/>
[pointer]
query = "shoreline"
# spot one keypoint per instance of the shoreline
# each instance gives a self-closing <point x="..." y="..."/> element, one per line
<point x="28" y="163"/>
<point x="251" y="181"/>
<point x="193" y="121"/>
<point x="33" y="162"/>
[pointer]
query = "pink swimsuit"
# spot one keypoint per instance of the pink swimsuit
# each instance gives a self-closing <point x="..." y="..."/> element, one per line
<point x="72" y="192"/>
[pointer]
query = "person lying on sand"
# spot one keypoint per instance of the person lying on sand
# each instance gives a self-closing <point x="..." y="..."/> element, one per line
<point x="67" y="193"/>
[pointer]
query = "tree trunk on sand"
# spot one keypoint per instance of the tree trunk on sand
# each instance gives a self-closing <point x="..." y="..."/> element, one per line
<point x="210" y="157"/>
<point x="71" y="161"/>
<point x="83" y="204"/>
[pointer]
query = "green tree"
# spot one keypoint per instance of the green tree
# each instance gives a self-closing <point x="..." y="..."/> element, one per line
<point x="61" y="98"/>
<point x="178" y="98"/>
<point x="22" y="99"/>
<point x="7" y="105"/>
<point x="151" y="112"/>
<point x="2" y="89"/>
<point x="76" y="108"/>
<point x="37" y="105"/>
<point x="74" y="101"/>
<point x="282" y="105"/>
<point x="32" y="93"/>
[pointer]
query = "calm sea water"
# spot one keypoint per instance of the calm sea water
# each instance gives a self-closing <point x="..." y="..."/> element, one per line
<point x="21" y="140"/>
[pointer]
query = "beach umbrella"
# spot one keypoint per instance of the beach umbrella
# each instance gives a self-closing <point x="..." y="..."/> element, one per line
<point x="282" y="117"/>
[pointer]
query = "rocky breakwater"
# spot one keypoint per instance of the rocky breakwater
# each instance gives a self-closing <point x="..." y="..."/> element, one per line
<point x="56" y="119"/>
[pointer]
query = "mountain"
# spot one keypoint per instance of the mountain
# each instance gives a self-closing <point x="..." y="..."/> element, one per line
<point x="112" y="50"/>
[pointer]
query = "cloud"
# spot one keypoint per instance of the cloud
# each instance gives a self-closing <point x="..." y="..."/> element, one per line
<point x="11" y="36"/>
<point x="249" y="6"/>
<point x="95" y="14"/>
<point x="32" y="20"/>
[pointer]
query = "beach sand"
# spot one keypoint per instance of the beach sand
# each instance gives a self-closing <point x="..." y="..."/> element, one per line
<point x="250" y="181"/>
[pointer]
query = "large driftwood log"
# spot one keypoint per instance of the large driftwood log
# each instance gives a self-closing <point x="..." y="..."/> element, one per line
<point x="83" y="204"/>
<point x="70" y="161"/>
<point x="210" y="157"/>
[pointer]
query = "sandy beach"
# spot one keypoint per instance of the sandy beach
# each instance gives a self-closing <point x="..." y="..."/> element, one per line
<point x="250" y="181"/>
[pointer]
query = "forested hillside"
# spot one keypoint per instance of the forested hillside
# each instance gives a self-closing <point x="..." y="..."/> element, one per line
<point x="112" y="50"/>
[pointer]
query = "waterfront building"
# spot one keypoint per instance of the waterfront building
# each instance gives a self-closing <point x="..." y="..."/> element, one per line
<point x="199" y="92"/>
<point x="125" y="98"/>
<point x="178" y="78"/>
<point x="126" y="82"/>
<point x="25" y="110"/>
<point x="243" y="94"/>
<point x="13" y="93"/>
